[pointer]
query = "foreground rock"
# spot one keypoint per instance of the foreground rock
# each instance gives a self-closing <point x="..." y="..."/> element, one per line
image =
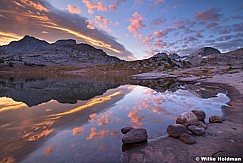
<point x="216" y="119"/>
<point x="197" y="130"/>
<point x="200" y="114"/>
<point x="201" y="124"/>
<point x="176" y="130"/>
<point x="125" y="130"/>
<point x="187" y="139"/>
<point x="187" y="119"/>
<point x="135" y="136"/>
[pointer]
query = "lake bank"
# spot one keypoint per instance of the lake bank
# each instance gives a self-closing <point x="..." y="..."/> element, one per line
<point x="221" y="139"/>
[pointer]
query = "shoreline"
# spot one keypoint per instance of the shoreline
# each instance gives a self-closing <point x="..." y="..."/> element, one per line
<point x="221" y="139"/>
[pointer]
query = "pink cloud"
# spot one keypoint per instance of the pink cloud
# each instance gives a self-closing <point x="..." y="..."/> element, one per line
<point x="102" y="23"/>
<point x="212" y="14"/>
<point x="73" y="9"/>
<point x="159" y="44"/>
<point x="101" y="18"/>
<point x="115" y="4"/>
<point x="136" y="23"/>
<point x="162" y="33"/>
<point x="96" y="5"/>
<point x="90" y="24"/>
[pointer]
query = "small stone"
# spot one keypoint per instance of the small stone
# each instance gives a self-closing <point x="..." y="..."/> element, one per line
<point x="187" y="139"/>
<point x="201" y="124"/>
<point x="216" y="119"/>
<point x="135" y="136"/>
<point x="200" y="114"/>
<point x="196" y="130"/>
<point x="187" y="119"/>
<point x="125" y="130"/>
<point x="176" y="130"/>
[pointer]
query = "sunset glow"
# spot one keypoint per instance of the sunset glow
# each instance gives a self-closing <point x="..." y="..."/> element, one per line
<point x="127" y="29"/>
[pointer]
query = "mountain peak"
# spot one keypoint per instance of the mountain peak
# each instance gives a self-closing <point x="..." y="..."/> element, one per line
<point x="68" y="42"/>
<point x="205" y="51"/>
<point x="160" y="55"/>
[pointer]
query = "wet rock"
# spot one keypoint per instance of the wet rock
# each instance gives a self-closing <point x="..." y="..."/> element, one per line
<point x="127" y="147"/>
<point x="187" y="119"/>
<point x="196" y="130"/>
<point x="200" y="114"/>
<point x="201" y="124"/>
<point x="176" y="130"/>
<point x="125" y="130"/>
<point x="187" y="139"/>
<point x="135" y="135"/>
<point x="216" y="119"/>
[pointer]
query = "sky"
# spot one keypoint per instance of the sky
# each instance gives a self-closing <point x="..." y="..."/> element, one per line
<point x="127" y="29"/>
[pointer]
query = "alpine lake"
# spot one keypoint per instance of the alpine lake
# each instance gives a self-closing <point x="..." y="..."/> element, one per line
<point x="78" y="118"/>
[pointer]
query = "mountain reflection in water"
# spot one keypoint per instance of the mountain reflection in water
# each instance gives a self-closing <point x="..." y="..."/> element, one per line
<point x="79" y="119"/>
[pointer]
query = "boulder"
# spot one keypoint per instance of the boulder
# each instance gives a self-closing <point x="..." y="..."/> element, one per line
<point x="187" y="119"/>
<point x="135" y="136"/>
<point x="196" y="130"/>
<point x="201" y="124"/>
<point x="216" y="119"/>
<point x="200" y="114"/>
<point x="176" y="130"/>
<point x="125" y="130"/>
<point x="187" y="139"/>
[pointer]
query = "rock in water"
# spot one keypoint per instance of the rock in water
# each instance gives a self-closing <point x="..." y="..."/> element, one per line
<point x="135" y="135"/>
<point x="176" y="130"/>
<point x="200" y="114"/>
<point x="187" y="119"/>
<point x="187" y="139"/>
<point x="196" y="130"/>
<point x="216" y="119"/>
<point x="125" y="130"/>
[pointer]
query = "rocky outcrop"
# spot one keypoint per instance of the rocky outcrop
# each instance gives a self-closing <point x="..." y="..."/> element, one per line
<point x="125" y="130"/>
<point x="161" y="55"/>
<point x="135" y="136"/>
<point x="197" y="57"/>
<point x="187" y="119"/>
<point x="176" y="130"/>
<point x="31" y="51"/>
<point x="187" y="139"/>
<point x="174" y="56"/>
<point x="200" y="114"/>
<point x="196" y="130"/>
<point x="216" y="119"/>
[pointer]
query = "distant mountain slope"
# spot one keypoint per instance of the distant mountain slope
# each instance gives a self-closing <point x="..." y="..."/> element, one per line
<point x="196" y="57"/>
<point x="32" y="51"/>
<point x="233" y="58"/>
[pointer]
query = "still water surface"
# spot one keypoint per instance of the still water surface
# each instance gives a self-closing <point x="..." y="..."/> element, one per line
<point x="38" y="126"/>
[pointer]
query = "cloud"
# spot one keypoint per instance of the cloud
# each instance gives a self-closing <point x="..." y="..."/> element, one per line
<point x="158" y="2"/>
<point x="212" y="25"/>
<point x="157" y="22"/>
<point x="90" y="24"/>
<point x="38" y="15"/>
<point x="102" y="23"/>
<point x="212" y="14"/>
<point x="160" y="44"/>
<point x="96" y="5"/>
<point x="162" y="33"/>
<point x="135" y="23"/>
<point x="101" y="18"/>
<point x="115" y="4"/>
<point x="73" y="9"/>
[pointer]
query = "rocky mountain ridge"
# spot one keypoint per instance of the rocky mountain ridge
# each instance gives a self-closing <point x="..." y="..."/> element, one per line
<point x="32" y="51"/>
